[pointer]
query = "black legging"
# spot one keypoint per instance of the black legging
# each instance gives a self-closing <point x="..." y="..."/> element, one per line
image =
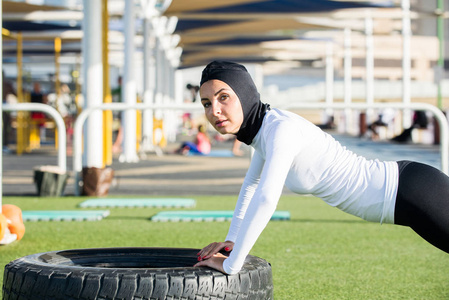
<point x="422" y="202"/>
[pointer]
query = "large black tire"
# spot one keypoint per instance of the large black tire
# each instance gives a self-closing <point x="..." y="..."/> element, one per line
<point x="131" y="273"/>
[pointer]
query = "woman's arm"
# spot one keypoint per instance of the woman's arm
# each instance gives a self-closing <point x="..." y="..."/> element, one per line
<point x="246" y="193"/>
<point x="281" y="149"/>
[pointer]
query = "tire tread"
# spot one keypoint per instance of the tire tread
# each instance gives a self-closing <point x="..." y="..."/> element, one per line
<point x="28" y="280"/>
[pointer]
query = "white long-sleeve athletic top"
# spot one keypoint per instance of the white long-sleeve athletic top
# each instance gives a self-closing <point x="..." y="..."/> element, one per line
<point x="292" y="151"/>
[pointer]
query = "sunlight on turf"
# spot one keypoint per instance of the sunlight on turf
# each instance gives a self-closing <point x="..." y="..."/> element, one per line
<point x="321" y="253"/>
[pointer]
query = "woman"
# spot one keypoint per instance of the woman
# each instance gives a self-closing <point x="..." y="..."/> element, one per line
<point x="292" y="151"/>
<point x="201" y="145"/>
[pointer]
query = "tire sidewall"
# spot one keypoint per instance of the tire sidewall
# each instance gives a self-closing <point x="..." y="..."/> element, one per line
<point x="67" y="275"/>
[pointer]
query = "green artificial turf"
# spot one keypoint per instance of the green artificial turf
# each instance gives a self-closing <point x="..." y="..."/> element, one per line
<point x="321" y="253"/>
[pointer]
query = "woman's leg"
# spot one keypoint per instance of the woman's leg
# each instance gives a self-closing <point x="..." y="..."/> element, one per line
<point x="192" y="147"/>
<point x="423" y="202"/>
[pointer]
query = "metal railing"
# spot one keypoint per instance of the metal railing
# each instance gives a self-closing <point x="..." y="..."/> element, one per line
<point x="440" y="117"/>
<point x="59" y="121"/>
<point x="78" y="127"/>
<point x="81" y="119"/>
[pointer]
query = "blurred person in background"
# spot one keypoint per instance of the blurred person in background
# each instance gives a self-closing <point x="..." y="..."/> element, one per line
<point x="8" y="94"/>
<point x="201" y="145"/>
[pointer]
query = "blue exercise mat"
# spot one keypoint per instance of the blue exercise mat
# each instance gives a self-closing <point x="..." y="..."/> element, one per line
<point x="139" y="202"/>
<point x="64" y="215"/>
<point x="214" y="153"/>
<point x="207" y="216"/>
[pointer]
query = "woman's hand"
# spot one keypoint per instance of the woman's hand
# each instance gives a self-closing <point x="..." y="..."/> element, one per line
<point x="215" y="262"/>
<point x="213" y="248"/>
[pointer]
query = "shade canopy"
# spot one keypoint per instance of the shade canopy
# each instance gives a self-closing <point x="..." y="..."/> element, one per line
<point x="241" y="30"/>
<point x="238" y="30"/>
<point x="16" y="26"/>
<point x="23" y="7"/>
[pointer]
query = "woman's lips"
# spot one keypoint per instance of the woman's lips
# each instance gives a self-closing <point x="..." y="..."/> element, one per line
<point x="220" y="123"/>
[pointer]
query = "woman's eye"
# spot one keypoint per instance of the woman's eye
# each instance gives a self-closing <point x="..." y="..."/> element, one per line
<point x="206" y="104"/>
<point x="224" y="97"/>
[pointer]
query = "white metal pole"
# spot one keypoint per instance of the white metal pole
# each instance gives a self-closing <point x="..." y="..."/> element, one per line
<point x="369" y="65"/>
<point x="59" y="121"/>
<point x="165" y="84"/>
<point x="129" y="89"/>
<point x="440" y="117"/>
<point x="93" y="81"/>
<point x="329" y="79"/>
<point x="347" y="78"/>
<point x="444" y="126"/>
<point x="171" y="124"/>
<point x="78" y="127"/>
<point x="149" y="83"/>
<point x="258" y="76"/>
<point x="179" y="87"/>
<point x="406" y="61"/>
<point x="165" y="88"/>
<point x="159" y="75"/>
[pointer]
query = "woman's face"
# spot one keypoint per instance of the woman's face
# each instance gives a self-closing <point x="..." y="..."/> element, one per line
<point x="221" y="106"/>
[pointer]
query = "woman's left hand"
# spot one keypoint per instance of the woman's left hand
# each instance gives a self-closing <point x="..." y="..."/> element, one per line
<point x="214" y="248"/>
<point x="215" y="262"/>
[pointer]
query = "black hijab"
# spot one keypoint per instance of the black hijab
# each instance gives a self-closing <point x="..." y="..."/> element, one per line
<point x="238" y="78"/>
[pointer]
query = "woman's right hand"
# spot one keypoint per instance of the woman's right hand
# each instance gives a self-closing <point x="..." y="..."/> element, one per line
<point x="213" y="248"/>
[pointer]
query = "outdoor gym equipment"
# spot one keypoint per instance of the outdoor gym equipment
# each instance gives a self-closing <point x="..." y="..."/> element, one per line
<point x="11" y="224"/>
<point x="131" y="273"/>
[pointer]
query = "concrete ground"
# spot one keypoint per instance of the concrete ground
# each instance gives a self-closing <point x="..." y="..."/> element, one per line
<point x="178" y="175"/>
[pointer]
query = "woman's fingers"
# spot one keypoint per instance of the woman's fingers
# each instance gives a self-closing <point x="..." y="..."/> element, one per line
<point x="229" y="246"/>
<point x="214" y="248"/>
<point x="215" y="262"/>
<point x="203" y="252"/>
<point x="209" y="250"/>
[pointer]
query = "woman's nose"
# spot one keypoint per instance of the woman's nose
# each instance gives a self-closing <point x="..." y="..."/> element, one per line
<point x="216" y="109"/>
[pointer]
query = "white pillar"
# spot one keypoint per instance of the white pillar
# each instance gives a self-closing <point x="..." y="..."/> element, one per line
<point x="170" y="115"/>
<point x="159" y="25"/>
<point x="129" y="89"/>
<point x="348" y="79"/>
<point x="93" y="81"/>
<point x="406" y="61"/>
<point x="149" y="74"/>
<point x="369" y="65"/>
<point x="166" y="78"/>
<point x="258" y="76"/>
<point x="159" y="77"/>
<point x="165" y="82"/>
<point x="158" y="97"/>
<point x="179" y="87"/>
<point x="329" y="78"/>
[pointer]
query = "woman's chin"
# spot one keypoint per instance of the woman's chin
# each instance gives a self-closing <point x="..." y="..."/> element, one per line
<point x="226" y="130"/>
<point x="222" y="130"/>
